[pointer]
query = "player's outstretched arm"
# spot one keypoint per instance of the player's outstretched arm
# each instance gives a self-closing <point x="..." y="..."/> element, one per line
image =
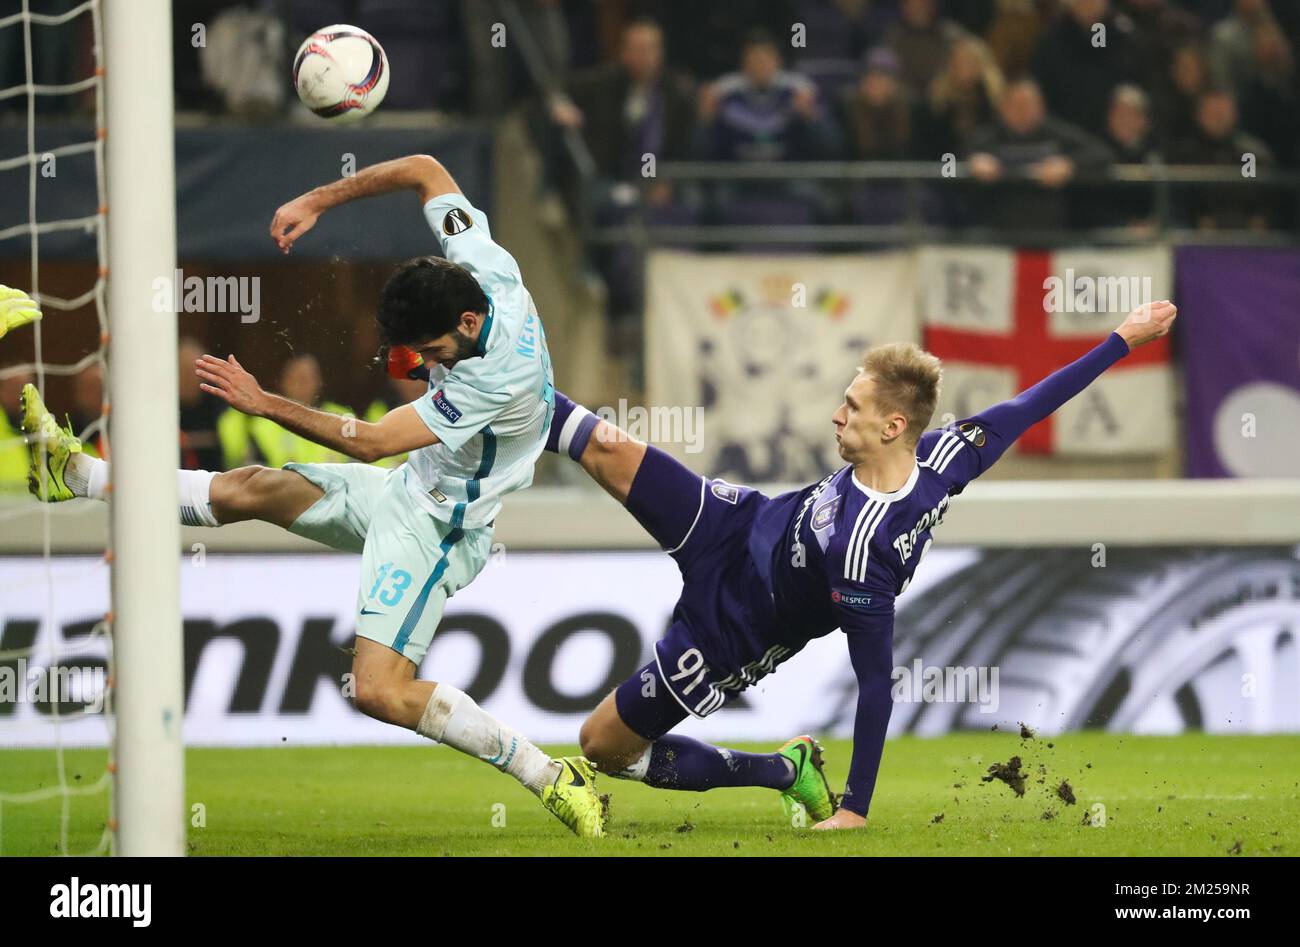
<point x="1005" y="422"/>
<point x="871" y="652"/>
<point x="420" y="173"/>
<point x="399" y="431"/>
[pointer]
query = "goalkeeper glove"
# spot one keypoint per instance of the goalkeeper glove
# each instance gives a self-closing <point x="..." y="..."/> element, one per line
<point x="16" y="309"/>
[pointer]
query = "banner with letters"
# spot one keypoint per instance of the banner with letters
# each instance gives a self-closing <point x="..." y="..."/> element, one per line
<point x="1239" y="314"/>
<point x="1003" y="319"/>
<point x="764" y="346"/>
<point x="1157" y="641"/>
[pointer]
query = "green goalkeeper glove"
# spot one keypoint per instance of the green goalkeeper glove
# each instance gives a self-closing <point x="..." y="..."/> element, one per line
<point x="16" y="309"/>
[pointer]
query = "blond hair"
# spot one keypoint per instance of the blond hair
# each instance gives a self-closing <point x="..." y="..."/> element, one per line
<point x="907" y="382"/>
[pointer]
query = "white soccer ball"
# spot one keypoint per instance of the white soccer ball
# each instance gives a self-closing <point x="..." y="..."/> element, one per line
<point x="341" y="73"/>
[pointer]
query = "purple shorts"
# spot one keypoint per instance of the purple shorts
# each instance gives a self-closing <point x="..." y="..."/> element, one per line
<point x="704" y="525"/>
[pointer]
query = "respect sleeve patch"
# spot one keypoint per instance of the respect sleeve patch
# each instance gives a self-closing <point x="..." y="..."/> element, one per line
<point x="860" y="601"/>
<point x="445" y="407"/>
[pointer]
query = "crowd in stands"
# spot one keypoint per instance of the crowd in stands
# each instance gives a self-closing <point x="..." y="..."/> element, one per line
<point x="1037" y="99"/>
<point x="1050" y="90"/>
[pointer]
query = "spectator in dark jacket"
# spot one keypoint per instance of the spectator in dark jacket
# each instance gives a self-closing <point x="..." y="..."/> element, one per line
<point x="1219" y="140"/>
<point x="1232" y="44"/>
<point x="762" y="112"/>
<point x="1131" y="141"/>
<point x="1269" y="106"/>
<point x="961" y="98"/>
<point x="921" y="39"/>
<point x="1026" y="141"/>
<point x="1082" y="57"/>
<point x="1159" y="28"/>
<point x="1128" y="127"/>
<point x="1187" y="79"/>
<point x="632" y="114"/>
<point x="878" y="113"/>
<point x="632" y="108"/>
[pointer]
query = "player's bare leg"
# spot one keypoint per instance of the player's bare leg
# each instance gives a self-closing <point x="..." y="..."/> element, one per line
<point x="386" y="688"/>
<point x="608" y="742"/>
<point x="262" y="493"/>
<point x="274" y="496"/>
<point x="60" y="471"/>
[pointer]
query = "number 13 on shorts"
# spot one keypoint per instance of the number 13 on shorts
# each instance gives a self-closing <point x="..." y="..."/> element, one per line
<point x="390" y="585"/>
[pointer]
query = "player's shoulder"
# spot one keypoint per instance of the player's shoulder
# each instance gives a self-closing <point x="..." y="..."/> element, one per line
<point x="451" y="214"/>
<point x="507" y="360"/>
<point x="951" y="452"/>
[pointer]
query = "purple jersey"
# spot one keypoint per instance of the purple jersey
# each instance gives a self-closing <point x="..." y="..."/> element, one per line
<point x="837" y="554"/>
<point x="839" y="550"/>
<point x="764" y="576"/>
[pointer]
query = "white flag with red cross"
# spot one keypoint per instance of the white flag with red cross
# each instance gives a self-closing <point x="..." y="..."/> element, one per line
<point x="1003" y="319"/>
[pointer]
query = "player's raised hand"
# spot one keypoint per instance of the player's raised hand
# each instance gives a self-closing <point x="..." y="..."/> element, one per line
<point x="228" y="380"/>
<point x="293" y="220"/>
<point x="1147" y="323"/>
<point x="984" y="167"/>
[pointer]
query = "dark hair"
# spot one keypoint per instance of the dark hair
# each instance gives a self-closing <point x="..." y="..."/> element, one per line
<point x="758" y="37"/>
<point x="642" y="23"/>
<point x="424" y="300"/>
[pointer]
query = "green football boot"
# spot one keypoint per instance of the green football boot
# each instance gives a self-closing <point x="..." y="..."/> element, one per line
<point x="809" y="788"/>
<point x="573" y="800"/>
<point x="50" y="448"/>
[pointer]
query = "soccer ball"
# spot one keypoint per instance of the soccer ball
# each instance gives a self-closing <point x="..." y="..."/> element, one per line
<point x="341" y="73"/>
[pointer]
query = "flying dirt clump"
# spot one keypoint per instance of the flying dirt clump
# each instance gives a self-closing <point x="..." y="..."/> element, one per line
<point x="1009" y="773"/>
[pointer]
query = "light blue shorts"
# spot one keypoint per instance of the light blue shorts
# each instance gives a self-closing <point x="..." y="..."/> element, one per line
<point x="411" y="561"/>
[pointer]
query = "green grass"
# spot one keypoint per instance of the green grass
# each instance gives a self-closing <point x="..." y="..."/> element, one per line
<point x="1187" y="795"/>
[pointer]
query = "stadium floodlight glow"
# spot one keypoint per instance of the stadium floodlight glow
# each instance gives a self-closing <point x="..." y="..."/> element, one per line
<point x="144" y="427"/>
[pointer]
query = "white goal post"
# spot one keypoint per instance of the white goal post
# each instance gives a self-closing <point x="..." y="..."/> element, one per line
<point x="149" y="801"/>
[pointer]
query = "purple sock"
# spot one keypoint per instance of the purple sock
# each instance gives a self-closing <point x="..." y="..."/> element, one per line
<point x="571" y="427"/>
<point x="682" y="763"/>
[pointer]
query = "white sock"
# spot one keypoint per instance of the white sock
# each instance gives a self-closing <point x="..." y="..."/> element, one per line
<point x="452" y="718"/>
<point x="88" y="477"/>
<point x="637" y="769"/>
<point x="195" y="490"/>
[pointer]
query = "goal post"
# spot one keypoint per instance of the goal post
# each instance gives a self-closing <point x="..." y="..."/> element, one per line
<point x="148" y="753"/>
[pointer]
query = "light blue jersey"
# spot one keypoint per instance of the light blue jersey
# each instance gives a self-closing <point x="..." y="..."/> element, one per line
<point x="490" y="412"/>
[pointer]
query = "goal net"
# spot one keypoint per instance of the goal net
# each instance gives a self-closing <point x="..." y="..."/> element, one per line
<point x="90" y="692"/>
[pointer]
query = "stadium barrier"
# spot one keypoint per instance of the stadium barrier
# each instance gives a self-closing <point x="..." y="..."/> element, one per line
<point x="1133" y="639"/>
<point x="913" y="177"/>
<point x="996" y="514"/>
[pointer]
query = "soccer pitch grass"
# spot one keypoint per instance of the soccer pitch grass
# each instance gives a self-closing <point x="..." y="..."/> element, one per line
<point x="1184" y="795"/>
